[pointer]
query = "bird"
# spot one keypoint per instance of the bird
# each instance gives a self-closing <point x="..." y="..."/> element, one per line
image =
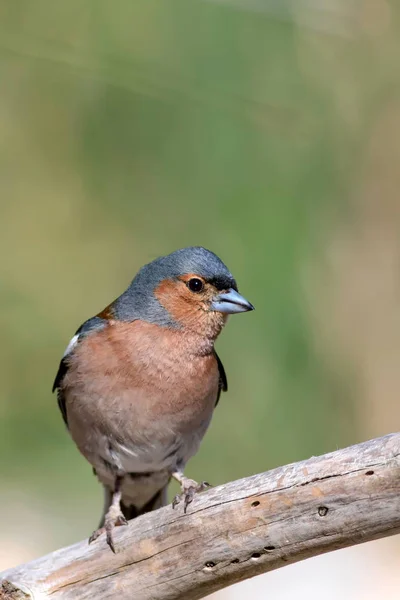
<point x="139" y="382"/>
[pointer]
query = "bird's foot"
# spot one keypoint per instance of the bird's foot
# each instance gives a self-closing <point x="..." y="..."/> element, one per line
<point x="189" y="488"/>
<point x="113" y="518"/>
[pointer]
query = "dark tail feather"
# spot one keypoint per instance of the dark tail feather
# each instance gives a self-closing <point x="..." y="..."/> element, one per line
<point x="130" y="511"/>
<point x="157" y="501"/>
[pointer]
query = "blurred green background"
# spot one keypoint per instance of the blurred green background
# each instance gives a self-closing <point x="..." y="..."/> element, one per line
<point x="266" y="131"/>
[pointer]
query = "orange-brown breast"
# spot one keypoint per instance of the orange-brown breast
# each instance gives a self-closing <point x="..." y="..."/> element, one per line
<point x="143" y="372"/>
<point x="139" y="399"/>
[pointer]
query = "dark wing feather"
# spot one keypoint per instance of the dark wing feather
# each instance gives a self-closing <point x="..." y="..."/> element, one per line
<point x="61" y="406"/>
<point x="223" y="382"/>
<point x="62" y="369"/>
<point x="88" y="326"/>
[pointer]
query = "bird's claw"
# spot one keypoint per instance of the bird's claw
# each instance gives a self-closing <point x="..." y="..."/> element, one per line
<point x="189" y="489"/>
<point x="110" y="522"/>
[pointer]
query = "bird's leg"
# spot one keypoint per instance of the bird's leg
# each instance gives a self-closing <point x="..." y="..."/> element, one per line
<point x="113" y="517"/>
<point x="189" y="488"/>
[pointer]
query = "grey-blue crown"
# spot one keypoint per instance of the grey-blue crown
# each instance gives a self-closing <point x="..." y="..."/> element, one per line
<point x="139" y="302"/>
<point x="194" y="259"/>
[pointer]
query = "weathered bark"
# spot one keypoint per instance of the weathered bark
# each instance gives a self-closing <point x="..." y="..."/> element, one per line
<point x="230" y="533"/>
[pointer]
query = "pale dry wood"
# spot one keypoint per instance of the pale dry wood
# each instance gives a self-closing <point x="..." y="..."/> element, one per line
<point x="230" y="533"/>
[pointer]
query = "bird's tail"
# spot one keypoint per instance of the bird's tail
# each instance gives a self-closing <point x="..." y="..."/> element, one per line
<point x="157" y="501"/>
<point x="130" y="511"/>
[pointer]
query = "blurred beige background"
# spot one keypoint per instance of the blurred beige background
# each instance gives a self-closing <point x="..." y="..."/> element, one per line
<point x="266" y="130"/>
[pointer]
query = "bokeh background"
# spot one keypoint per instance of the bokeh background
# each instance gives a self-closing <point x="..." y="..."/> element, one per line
<point x="265" y="130"/>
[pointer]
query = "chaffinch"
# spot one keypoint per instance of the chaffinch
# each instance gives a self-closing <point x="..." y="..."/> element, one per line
<point x="138" y="383"/>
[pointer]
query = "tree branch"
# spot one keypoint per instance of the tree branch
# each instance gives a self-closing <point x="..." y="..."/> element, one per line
<point x="230" y="533"/>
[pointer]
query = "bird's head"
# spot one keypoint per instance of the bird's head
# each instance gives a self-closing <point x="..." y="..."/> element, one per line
<point x="189" y="289"/>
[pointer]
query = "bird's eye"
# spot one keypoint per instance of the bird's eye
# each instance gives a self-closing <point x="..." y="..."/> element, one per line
<point x="195" y="285"/>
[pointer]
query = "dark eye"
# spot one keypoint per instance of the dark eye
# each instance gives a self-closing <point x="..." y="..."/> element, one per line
<point x="195" y="284"/>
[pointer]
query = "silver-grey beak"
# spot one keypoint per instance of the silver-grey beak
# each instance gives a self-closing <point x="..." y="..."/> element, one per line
<point x="231" y="302"/>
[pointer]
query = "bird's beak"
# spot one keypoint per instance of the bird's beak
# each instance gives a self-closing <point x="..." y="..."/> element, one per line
<point x="231" y="302"/>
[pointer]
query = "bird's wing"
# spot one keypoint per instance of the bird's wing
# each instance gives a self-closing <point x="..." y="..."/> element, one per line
<point x="223" y="382"/>
<point x="89" y="326"/>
